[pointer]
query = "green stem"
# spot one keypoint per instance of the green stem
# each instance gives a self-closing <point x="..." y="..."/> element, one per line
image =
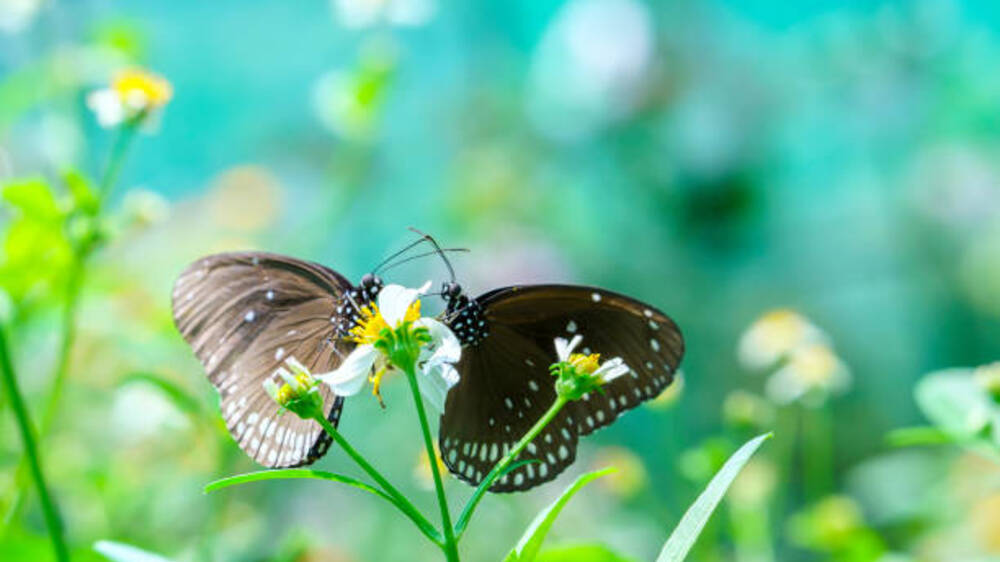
<point x="450" y="546"/>
<point x="67" y="329"/>
<point x="31" y="452"/>
<point x="818" y="459"/>
<point x="117" y="156"/>
<point x="470" y="506"/>
<point x="404" y="504"/>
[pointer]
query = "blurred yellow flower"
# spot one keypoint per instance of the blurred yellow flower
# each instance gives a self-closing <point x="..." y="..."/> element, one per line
<point x="133" y="94"/>
<point x="670" y="395"/>
<point x="773" y="336"/>
<point x="985" y="519"/>
<point x="422" y="469"/>
<point x="988" y="377"/>
<point x="629" y="479"/>
<point x="245" y="198"/>
<point x="746" y="409"/>
<point x="811" y="373"/>
<point x="827" y="525"/>
<point x="754" y="485"/>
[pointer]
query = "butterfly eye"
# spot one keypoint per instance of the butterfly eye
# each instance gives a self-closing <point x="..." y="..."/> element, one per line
<point x="368" y="280"/>
<point x="450" y="290"/>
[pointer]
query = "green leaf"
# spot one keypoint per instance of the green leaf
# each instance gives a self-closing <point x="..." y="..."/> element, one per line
<point x="293" y="473"/>
<point x="120" y="552"/>
<point x="84" y="195"/>
<point x="920" y="435"/>
<point x="694" y="520"/>
<point x="33" y="198"/>
<point x="527" y="548"/>
<point x="581" y="553"/>
<point x="953" y="401"/>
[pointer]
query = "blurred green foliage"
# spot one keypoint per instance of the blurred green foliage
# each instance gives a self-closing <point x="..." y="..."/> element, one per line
<point x="718" y="159"/>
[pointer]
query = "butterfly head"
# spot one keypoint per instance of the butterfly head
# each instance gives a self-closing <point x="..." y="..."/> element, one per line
<point x="349" y="307"/>
<point x="464" y="315"/>
<point x="370" y="286"/>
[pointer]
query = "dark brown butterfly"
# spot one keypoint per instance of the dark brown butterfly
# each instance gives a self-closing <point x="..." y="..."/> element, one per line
<point x="244" y="314"/>
<point x="505" y="385"/>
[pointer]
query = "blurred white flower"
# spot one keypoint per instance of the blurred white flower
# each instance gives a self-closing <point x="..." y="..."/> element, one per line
<point x="17" y="15"/>
<point x="773" y="336"/>
<point x="590" y="67"/>
<point x="368" y="13"/>
<point x="811" y="373"/>
<point x="133" y="94"/>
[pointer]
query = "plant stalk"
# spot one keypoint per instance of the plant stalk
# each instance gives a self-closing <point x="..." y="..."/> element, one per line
<point x="404" y="504"/>
<point x="52" y="520"/>
<point x="450" y="545"/>
<point x="470" y="507"/>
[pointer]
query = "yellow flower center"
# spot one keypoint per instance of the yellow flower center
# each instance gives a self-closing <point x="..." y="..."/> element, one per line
<point x="154" y="90"/>
<point x="585" y="364"/>
<point x="285" y="395"/>
<point x="815" y="364"/>
<point x="372" y="323"/>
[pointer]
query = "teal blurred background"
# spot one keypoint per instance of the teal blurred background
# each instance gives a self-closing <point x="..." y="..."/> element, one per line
<point x="716" y="159"/>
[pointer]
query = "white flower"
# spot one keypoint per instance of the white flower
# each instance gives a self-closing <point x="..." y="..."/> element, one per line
<point x="589" y="364"/>
<point x="812" y="373"/>
<point x="131" y="94"/>
<point x="397" y="305"/>
<point x="775" y="335"/>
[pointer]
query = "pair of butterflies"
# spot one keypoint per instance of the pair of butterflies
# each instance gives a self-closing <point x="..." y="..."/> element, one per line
<point x="244" y="314"/>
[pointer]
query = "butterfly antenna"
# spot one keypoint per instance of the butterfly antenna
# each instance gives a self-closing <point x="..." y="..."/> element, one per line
<point x="423" y="238"/>
<point x="439" y="251"/>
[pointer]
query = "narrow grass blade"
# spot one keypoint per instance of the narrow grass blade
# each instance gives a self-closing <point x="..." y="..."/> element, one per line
<point x="120" y="552"/>
<point x="527" y="548"/>
<point x="292" y="473"/>
<point x="691" y="525"/>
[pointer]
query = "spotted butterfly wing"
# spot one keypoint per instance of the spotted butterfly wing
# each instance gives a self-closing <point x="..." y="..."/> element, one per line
<point x="505" y="385"/>
<point x="244" y="314"/>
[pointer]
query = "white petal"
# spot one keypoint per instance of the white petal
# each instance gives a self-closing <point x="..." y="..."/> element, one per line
<point x="435" y="382"/>
<point x="393" y="300"/>
<point x="107" y="107"/>
<point x="611" y="369"/>
<point x="350" y="377"/>
<point x="784" y="387"/>
<point x="444" y="346"/>
<point x="271" y="388"/>
<point x="564" y="348"/>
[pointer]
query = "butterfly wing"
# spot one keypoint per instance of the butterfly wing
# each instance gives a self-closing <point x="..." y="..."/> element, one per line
<point x="244" y="314"/>
<point x="504" y="388"/>
<point x="611" y="324"/>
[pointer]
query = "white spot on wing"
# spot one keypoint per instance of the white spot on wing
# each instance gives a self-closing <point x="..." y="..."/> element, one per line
<point x="571" y="327"/>
<point x="249" y="316"/>
<point x="596" y="297"/>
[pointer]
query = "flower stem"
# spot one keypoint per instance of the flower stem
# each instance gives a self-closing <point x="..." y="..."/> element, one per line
<point x="450" y="546"/>
<point x="497" y="470"/>
<point x="67" y="328"/>
<point x="49" y="509"/>
<point x="401" y="502"/>
<point x="117" y="157"/>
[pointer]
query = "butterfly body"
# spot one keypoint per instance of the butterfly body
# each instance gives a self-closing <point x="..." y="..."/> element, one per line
<point x="505" y="385"/>
<point x="244" y="314"/>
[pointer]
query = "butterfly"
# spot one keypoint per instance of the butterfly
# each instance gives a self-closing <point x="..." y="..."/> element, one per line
<point x="244" y="314"/>
<point x="504" y="382"/>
